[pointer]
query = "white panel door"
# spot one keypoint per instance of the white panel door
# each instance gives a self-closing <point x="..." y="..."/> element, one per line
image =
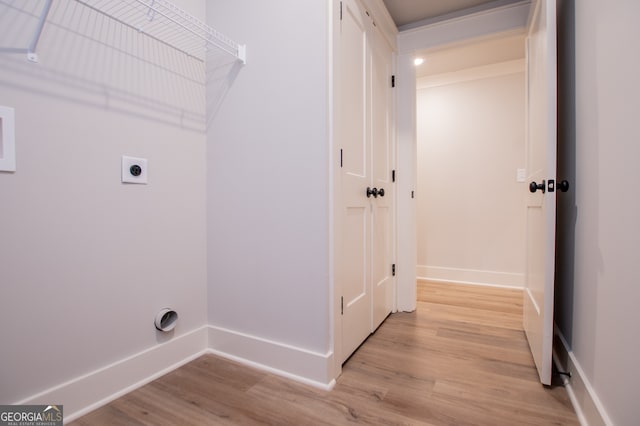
<point x="354" y="255"/>
<point x="541" y="195"/>
<point x="365" y="196"/>
<point x="382" y="165"/>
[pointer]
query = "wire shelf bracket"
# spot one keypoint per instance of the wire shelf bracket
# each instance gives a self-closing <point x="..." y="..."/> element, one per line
<point x="30" y="50"/>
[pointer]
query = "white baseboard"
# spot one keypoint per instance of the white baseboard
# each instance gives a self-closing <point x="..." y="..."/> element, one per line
<point x="470" y="276"/>
<point x="586" y="403"/>
<point x="84" y="394"/>
<point x="298" y="364"/>
<point x="97" y="388"/>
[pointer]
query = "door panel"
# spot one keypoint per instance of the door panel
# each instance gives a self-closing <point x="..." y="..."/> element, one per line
<point x="382" y="160"/>
<point x="355" y="291"/>
<point x="541" y="166"/>
<point x="353" y="60"/>
<point x="355" y="176"/>
<point x="382" y="279"/>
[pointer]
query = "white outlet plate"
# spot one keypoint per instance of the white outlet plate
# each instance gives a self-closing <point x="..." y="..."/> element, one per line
<point x="127" y="163"/>
<point x="521" y="175"/>
<point x="7" y="139"/>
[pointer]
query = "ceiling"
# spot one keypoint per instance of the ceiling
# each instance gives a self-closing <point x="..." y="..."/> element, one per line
<point x="411" y="13"/>
<point x="470" y="54"/>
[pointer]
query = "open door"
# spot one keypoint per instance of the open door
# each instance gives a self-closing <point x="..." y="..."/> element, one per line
<point x="541" y="195"/>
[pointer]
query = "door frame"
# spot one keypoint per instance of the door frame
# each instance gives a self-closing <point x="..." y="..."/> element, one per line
<point x="505" y="19"/>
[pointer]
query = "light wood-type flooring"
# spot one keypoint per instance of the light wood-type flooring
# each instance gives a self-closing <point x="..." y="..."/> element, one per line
<point x="460" y="359"/>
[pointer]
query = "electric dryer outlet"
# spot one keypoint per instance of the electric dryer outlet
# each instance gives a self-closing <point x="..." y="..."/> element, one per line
<point x="134" y="170"/>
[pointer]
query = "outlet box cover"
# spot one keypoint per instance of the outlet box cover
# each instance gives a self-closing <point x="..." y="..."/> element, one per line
<point x="7" y="139"/>
<point x="128" y="163"/>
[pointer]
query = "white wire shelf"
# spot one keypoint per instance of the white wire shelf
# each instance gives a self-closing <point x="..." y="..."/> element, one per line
<point x="168" y="24"/>
<point x="159" y="19"/>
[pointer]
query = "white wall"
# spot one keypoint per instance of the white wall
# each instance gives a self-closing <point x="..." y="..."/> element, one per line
<point x="86" y="261"/>
<point x="471" y="219"/>
<point x="598" y="314"/>
<point x="268" y="187"/>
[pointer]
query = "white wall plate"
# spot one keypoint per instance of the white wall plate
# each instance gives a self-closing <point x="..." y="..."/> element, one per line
<point x="7" y="139"/>
<point x="134" y="170"/>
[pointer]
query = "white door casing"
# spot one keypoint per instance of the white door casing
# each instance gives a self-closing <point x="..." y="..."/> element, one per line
<point x="541" y="169"/>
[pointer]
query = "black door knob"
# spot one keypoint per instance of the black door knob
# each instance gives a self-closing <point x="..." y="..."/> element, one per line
<point x="381" y="192"/>
<point x="533" y="187"/>
<point x="563" y="186"/>
<point x="372" y="191"/>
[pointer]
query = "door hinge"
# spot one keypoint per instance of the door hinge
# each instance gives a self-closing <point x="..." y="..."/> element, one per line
<point x="340" y="157"/>
<point x="393" y="270"/>
<point x="393" y="81"/>
<point x="341" y="11"/>
<point x="341" y="305"/>
<point x="393" y="175"/>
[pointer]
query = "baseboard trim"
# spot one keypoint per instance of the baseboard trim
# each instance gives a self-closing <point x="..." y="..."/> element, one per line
<point x="470" y="276"/>
<point x="436" y="280"/>
<point x="93" y="390"/>
<point x="288" y="361"/>
<point x="97" y="388"/>
<point x="586" y="403"/>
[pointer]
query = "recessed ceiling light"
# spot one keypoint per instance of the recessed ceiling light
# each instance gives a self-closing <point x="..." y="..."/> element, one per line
<point x="418" y="61"/>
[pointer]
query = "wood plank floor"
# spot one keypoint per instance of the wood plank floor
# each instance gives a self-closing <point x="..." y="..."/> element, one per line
<point x="460" y="359"/>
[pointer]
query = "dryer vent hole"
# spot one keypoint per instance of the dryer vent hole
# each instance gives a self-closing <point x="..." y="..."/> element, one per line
<point x="166" y="320"/>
